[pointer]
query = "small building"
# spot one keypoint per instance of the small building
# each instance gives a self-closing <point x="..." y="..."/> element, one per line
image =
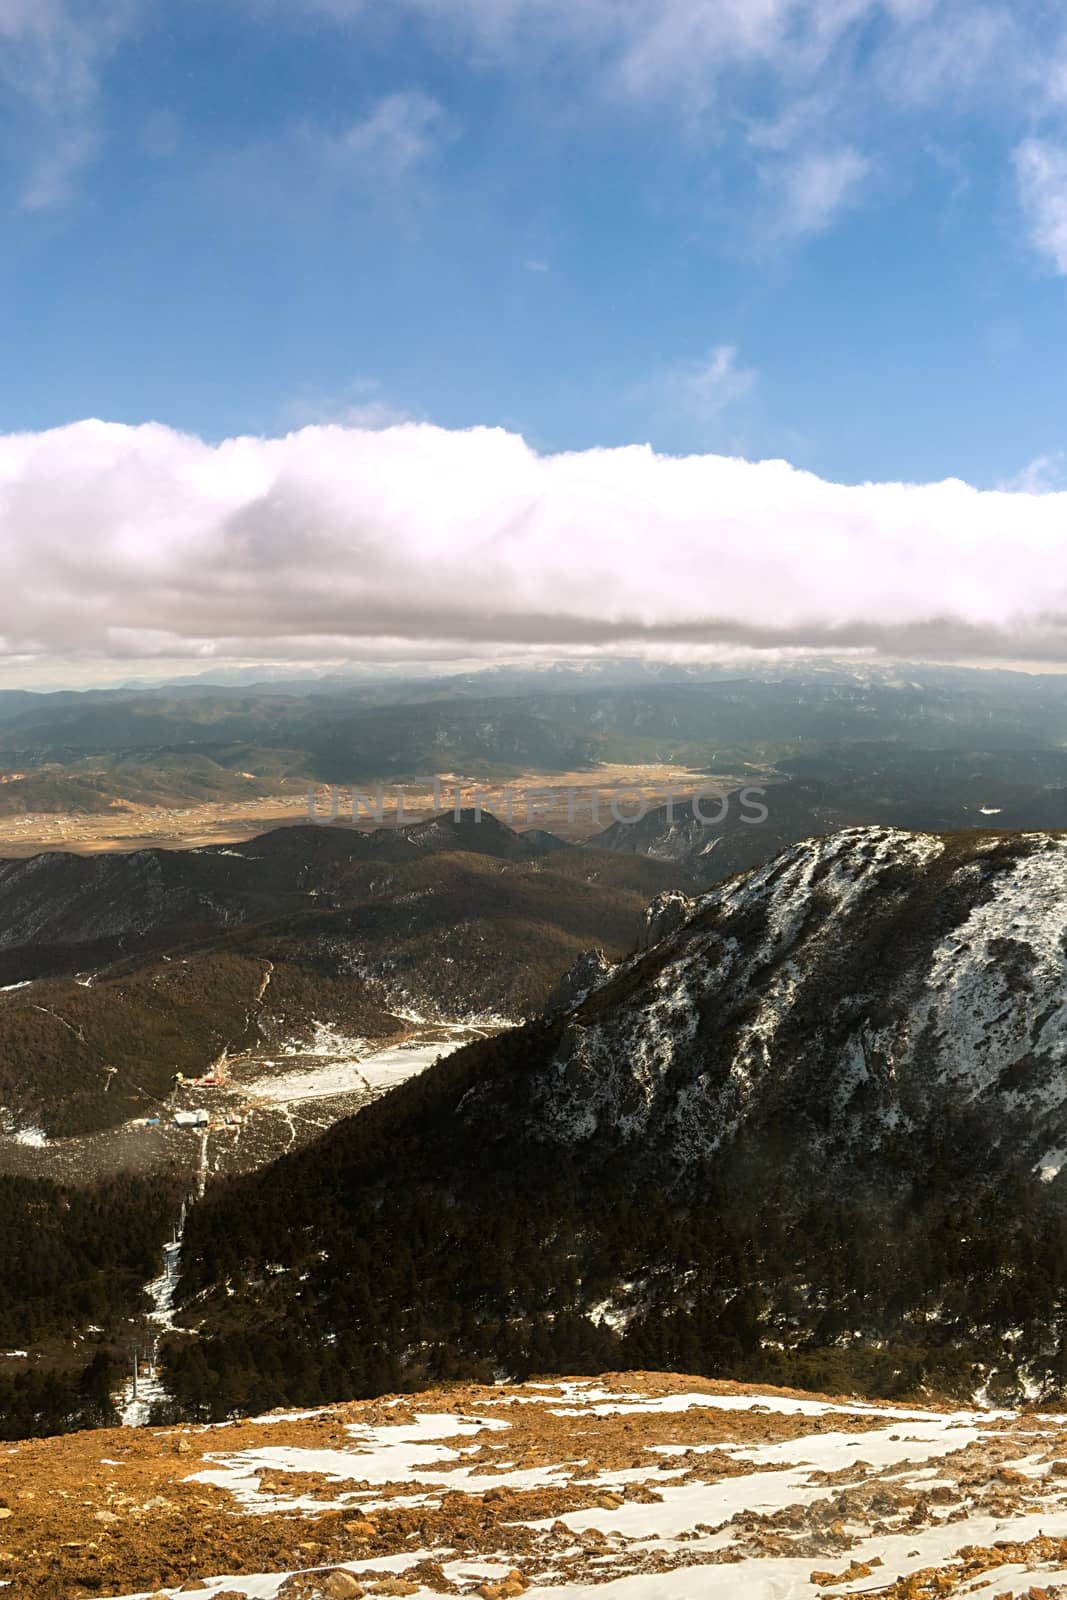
<point x="190" y="1119"/>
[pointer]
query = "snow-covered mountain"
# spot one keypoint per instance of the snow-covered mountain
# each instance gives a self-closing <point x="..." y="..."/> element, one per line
<point x="855" y="986"/>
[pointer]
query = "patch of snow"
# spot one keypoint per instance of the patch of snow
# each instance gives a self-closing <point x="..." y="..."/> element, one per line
<point x="385" y="1455"/>
<point x="328" y="1041"/>
<point x="141" y="1394"/>
<point x="1051" y="1164"/>
<point x="611" y="1315"/>
<point x="988" y="1011"/>
<point x="367" y="1072"/>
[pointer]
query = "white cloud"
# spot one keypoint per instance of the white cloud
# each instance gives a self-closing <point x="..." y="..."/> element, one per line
<point x="361" y="403"/>
<point x="831" y="78"/>
<point x="52" y="54"/>
<point x="948" y="54"/>
<point x="812" y="190"/>
<point x="637" y="47"/>
<point x="1041" y="173"/>
<point x="703" y="389"/>
<point x="398" y="133"/>
<point x="1042" y="475"/>
<point x="676" y="44"/>
<point x="51" y="176"/>
<point x="907" y="50"/>
<point x="127" y="542"/>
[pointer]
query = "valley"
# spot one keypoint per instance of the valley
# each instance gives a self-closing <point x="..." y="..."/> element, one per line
<point x="122" y="971"/>
<point x="187" y="765"/>
<point x="263" y="1107"/>
<point x="170" y="1020"/>
<point x="562" y="802"/>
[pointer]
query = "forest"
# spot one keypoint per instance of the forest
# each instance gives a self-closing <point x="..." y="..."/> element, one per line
<point x="73" y="1259"/>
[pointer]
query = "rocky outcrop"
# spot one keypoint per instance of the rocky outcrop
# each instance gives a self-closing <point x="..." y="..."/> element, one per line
<point x="667" y="913"/>
<point x="591" y="970"/>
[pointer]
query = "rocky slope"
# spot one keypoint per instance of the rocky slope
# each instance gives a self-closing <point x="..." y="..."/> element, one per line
<point x="640" y="1486"/>
<point x="856" y="985"/>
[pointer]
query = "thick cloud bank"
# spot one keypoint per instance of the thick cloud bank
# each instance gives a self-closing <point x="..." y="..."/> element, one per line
<point x="121" y="541"/>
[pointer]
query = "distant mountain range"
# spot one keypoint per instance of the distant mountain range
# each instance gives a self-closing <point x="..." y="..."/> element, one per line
<point x="84" y="751"/>
<point x="862" y="785"/>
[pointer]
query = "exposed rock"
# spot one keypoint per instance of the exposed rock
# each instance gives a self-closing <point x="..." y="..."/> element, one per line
<point x="667" y="913"/>
<point x="590" y="971"/>
<point x="539" y="1433"/>
<point x="342" y="1586"/>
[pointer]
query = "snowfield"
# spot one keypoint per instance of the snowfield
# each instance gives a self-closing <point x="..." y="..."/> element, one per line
<point x="634" y="1487"/>
<point x="354" y="1066"/>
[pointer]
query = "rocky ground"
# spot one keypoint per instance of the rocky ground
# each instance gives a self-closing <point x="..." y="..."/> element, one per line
<point x="637" y="1486"/>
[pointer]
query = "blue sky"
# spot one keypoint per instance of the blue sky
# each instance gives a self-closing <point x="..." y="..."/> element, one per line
<point x="833" y="232"/>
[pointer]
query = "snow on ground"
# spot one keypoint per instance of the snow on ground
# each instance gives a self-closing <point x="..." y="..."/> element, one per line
<point x="135" y="1406"/>
<point x="328" y="1041"/>
<point x="654" y="1488"/>
<point x="990" y="1016"/>
<point x="139" y="1395"/>
<point x="1051" y="1164"/>
<point x="381" y="1455"/>
<point x="349" y="1067"/>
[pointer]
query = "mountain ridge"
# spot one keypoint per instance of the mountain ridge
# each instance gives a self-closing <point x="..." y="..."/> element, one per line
<point x="758" y="1143"/>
